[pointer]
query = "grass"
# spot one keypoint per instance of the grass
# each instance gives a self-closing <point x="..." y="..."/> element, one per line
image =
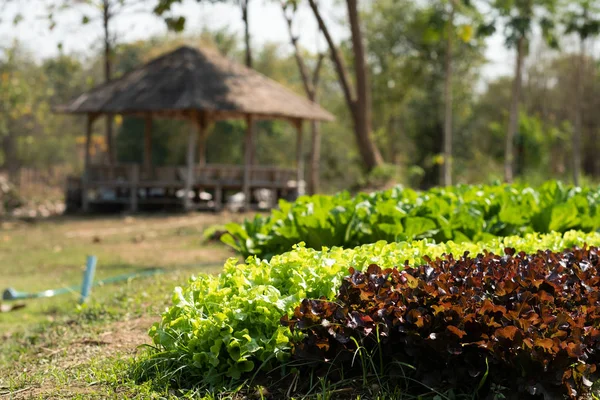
<point x="51" y="254"/>
<point x="53" y="348"/>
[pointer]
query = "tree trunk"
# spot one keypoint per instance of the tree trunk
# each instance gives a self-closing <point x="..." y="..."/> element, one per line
<point x="359" y="105"/>
<point x="447" y="166"/>
<point x="513" y="122"/>
<point x="400" y="135"/>
<point x="578" y="120"/>
<point x="362" y="106"/>
<point x="244" y="4"/>
<point x="107" y="76"/>
<point x="391" y="140"/>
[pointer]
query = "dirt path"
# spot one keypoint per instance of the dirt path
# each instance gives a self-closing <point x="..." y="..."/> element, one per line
<point x="120" y="339"/>
<point x="135" y="225"/>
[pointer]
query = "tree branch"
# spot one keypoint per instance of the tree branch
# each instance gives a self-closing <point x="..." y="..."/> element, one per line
<point x="317" y="70"/>
<point x="336" y="57"/>
<point x="360" y="64"/>
<point x="308" y="87"/>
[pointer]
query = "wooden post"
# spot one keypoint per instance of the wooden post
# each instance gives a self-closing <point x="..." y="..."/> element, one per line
<point x="253" y="155"/>
<point x="218" y="197"/>
<point x="248" y="160"/>
<point x="189" y="179"/>
<point x="86" y="164"/>
<point x="299" y="159"/>
<point x="148" y="143"/>
<point x="202" y="124"/>
<point x="135" y="177"/>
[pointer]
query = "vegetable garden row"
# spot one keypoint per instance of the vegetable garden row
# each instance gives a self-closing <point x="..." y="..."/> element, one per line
<point x="479" y="290"/>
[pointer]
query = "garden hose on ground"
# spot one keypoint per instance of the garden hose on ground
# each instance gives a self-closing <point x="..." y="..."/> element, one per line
<point x="12" y="294"/>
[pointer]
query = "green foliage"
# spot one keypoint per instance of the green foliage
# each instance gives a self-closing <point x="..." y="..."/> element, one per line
<point x="459" y="317"/>
<point x="225" y="326"/>
<point x="406" y="48"/>
<point x="461" y="213"/>
<point x="519" y="17"/>
<point x="581" y="17"/>
<point x="30" y="133"/>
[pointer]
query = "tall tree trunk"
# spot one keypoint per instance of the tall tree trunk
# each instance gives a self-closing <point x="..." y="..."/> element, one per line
<point x="244" y="4"/>
<point x="362" y="106"/>
<point x="513" y="122"/>
<point x="391" y="140"/>
<point x="359" y="104"/>
<point x="578" y="120"/>
<point x="447" y="166"/>
<point x="107" y="76"/>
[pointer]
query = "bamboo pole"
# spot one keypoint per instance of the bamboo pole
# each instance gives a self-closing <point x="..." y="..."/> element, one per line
<point x="248" y="160"/>
<point x="85" y="205"/>
<point x="202" y="124"/>
<point x="148" y="143"/>
<point x="299" y="159"/>
<point x="189" y="181"/>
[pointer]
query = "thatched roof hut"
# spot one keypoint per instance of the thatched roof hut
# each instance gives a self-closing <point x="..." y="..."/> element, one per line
<point x="190" y="79"/>
<point x="202" y="86"/>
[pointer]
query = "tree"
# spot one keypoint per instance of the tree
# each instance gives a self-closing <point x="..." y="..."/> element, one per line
<point x="580" y="18"/>
<point x="103" y="12"/>
<point x="406" y="53"/>
<point x="310" y="84"/>
<point x="518" y="17"/>
<point x="15" y="105"/>
<point x="464" y="32"/>
<point x="30" y="133"/>
<point x="358" y="99"/>
<point x="447" y="166"/>
<point x="396" y="62"/>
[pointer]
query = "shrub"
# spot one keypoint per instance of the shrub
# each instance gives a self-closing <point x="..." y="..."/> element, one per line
<point x="530" y="322"/>
<point x="460" y="213"/>
<point x="224" y="326"/>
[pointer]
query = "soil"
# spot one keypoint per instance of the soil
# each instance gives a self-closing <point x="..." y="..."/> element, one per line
<point x="119" y="339"/>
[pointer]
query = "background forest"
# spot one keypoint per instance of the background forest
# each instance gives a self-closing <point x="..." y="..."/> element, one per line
<point x="409" y="46"/>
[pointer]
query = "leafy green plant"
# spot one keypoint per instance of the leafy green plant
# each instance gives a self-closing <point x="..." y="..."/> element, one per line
<point x="533" y="319"/>
<point x="227" y="326"/>
<point x="461" y="213"/>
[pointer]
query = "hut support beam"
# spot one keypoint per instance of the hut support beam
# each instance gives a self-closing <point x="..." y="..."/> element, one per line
<point x="189" y="178"/>
<point x="202" y="124"/>
<point x="299" y="160"/>
<point x="85" y="203"/>
<point x="133" y="191"/>
<point x="148" y="143"/>
<point x="253" y="144"/>
<point x="248" y="160"/>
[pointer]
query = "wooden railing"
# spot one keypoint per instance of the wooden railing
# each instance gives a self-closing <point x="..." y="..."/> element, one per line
<point x="212" y="174"/>
<point x="128" y="180"/>
<point x="268" y="176"/>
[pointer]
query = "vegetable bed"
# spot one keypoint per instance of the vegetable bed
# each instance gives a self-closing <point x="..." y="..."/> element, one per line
<point x="477" y="291"/>
<point x="227" y="327"/>
<point x="461" y="214"/>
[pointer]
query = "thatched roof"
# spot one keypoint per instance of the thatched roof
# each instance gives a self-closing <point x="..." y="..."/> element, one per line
<point x="190" y="79"/>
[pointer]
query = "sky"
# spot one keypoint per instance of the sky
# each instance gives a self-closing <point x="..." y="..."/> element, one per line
<point x="266" y="25"/>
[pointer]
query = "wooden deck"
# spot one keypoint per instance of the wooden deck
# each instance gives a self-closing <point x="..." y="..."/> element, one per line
<point x="133" y="187"/>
